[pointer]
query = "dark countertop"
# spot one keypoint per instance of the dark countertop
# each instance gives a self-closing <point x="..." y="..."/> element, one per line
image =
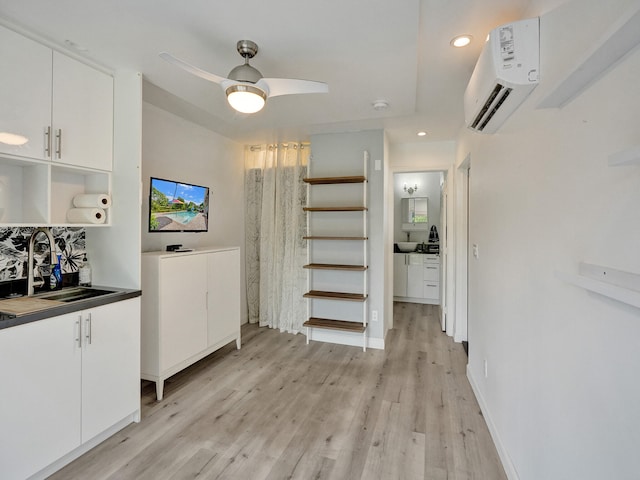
<point x="119" y="294"/>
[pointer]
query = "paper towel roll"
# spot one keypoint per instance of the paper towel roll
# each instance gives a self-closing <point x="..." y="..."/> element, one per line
<point x="86" y="215"/>
<point x="92" y="200"/>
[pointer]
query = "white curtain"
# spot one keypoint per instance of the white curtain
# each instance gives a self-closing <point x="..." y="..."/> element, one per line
<point x="275" y="225"/>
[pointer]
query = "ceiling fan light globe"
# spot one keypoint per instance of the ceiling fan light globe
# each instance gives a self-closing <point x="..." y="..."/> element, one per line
<point x="246" y="98"/>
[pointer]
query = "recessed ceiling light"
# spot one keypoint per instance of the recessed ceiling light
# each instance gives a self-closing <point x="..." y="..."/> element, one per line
<point x="461" y="41"/>
<point x="422" y="134"/>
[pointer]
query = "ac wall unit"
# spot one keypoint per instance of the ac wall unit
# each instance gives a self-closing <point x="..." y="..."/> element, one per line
<point x="506" y="73"/>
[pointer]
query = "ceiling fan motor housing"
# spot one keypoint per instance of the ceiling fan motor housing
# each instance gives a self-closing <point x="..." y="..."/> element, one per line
<point x="245" y="73"/>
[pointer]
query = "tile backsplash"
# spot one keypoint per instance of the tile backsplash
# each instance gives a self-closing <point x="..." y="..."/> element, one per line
<point x="14" y="242"/>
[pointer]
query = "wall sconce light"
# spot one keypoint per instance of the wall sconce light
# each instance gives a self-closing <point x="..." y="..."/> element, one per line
<point x="410" y="190"/>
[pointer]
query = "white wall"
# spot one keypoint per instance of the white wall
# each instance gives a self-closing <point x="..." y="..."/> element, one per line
<point x="560" y="397"/>
<point x="177" y="149"/>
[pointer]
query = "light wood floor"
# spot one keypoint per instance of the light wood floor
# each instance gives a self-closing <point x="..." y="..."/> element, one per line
<point x="279" y="409"/>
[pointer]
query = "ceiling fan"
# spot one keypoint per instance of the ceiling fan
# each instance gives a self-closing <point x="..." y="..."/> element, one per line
<point x="246" y="89"/>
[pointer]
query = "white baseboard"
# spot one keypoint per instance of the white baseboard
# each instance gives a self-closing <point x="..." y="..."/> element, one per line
<point x="507" y="464"/>
<point x="344" y="338"/>
<point x="85" y="447"/>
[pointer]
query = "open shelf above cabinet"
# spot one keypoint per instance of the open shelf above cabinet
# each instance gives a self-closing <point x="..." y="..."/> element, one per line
<point x="39" y="193"/>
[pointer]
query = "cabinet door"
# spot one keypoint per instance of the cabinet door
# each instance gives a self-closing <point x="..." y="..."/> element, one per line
<point x="25" y="93"/>
<point x="83" y="111"/>
<point x="223" y="295"/>
<point x="399" y="275"/>
<point x="183" y="308"/>
<point x="110" y="365"/>
<point x="40" y="378"/>
<point x="415" y="276"/>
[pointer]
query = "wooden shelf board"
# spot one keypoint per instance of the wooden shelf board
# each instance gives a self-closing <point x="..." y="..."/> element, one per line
<point x="342" y="325"/>
<point x="349" y="297"/>
<point x="316" y="237"/>
<point x="335" y="180"/>
<point x="331" y="266"/>
<point x="335" y="209"/>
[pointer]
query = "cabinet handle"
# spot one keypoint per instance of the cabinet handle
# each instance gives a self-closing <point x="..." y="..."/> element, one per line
<point x="88" y="329"/>
<point x="79" y="331"/>
<point x="47" y="141"/>
<point x="431" y="285"/>
<point x="432" y="268"/>
<point x="59" y="143"/>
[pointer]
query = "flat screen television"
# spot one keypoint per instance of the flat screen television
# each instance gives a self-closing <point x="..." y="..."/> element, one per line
<point x="178" y="206"/>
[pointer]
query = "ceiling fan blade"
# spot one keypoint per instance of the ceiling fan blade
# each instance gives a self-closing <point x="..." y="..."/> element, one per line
<point x="212" y="77"/>
<point x="291" y="86"/>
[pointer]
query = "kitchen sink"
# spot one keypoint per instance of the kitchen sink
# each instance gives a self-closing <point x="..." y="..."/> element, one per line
<point x="73" y="294"/>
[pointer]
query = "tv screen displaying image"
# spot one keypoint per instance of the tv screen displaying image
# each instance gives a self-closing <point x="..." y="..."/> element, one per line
<point x="178" y="206"/>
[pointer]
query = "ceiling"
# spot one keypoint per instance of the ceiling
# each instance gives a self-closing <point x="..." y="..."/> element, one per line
<point x="366" y="50"/>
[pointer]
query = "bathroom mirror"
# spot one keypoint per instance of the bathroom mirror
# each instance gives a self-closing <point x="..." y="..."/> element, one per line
<point x="415" y="213"/>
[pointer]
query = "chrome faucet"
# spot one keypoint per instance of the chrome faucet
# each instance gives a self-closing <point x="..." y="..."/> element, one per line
<point x="31" y="282"/>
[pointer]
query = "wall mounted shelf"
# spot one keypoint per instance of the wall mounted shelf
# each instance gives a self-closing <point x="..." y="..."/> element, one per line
<point x="335" y="209"/>
<point x="333" y="264"/>
<point x="316" y="237"/>
<point x="335" y="180"/>
<point x="616" y="284"/>
<point x="335" y="325"/>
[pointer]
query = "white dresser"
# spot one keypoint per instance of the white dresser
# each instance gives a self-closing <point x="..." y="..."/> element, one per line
<point x="190" y="308"/>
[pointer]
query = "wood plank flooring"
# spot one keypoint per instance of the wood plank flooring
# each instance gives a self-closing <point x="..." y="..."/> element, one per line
<point x="280" y="409"/>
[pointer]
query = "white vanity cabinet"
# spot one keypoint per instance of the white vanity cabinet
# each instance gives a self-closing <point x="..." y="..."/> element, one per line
<point x="65" y="380"/>
<point x="416" y="278"/>
<point x="190" y="308"/>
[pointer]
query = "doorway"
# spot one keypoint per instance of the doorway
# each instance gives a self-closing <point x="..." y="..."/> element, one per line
<point x="419" y="278"/>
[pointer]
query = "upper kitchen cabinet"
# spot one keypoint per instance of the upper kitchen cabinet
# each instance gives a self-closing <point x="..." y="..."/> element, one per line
<point x="25" y="96"/>
<point x="54" y="107"/>
<point x="56" y="132"/>
<point x="82" y="114"/>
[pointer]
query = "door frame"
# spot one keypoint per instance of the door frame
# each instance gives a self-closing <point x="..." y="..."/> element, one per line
<point x="458" y="328"/>
<point x="447" y="224"/>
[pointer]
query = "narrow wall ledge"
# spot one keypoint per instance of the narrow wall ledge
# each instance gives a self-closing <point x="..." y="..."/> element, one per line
<point x="630" y="156"/>
<point x="616" y="284"/>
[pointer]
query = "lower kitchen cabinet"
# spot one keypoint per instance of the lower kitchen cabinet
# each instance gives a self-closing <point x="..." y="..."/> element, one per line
<point x="65" y="380"/>
<point x="190" y="308"/>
